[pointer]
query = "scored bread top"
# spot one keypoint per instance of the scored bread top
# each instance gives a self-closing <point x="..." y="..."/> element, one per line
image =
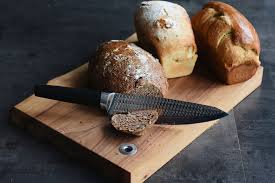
<point x="122" y="67"/>
<point x="162" y="15"/>
<point x="166" y="26"/>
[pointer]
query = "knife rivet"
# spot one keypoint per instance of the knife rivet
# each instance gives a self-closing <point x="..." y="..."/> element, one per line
<point x="128" y="149"/>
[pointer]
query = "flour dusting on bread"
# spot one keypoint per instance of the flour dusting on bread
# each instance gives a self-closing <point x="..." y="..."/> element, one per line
<point x="163" y="15"/>
<point x="164" y="28"/>
<point x="124" y="67"/>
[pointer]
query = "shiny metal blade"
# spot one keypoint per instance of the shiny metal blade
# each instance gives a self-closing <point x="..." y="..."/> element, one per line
<point x="171" y="111"/>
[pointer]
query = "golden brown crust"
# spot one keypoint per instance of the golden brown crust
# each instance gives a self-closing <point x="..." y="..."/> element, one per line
<point x="123" y="67"/>
<point x="241" y="73"/>
<point x="227" y="40"/>
<point x="244" y="32"/>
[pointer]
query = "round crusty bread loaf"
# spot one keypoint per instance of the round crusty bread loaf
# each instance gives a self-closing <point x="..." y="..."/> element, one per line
<point x="164" y="28"/>
<point x="228" y="41"/>
<point x="123" y="67"/>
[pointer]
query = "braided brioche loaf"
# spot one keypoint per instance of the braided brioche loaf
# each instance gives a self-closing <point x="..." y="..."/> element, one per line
<point x="228" y="41"/>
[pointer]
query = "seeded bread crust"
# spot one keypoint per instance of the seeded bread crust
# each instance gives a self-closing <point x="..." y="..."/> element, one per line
<point x="135" y="122"/>
<point x="123" y="67"/>
<point x="228" y="41"/>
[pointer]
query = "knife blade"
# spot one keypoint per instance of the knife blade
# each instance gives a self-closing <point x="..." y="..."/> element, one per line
<point x="172" y="112"/>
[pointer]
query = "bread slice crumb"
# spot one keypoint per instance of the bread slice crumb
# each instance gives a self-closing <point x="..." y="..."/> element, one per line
<point x="135" y="122"/>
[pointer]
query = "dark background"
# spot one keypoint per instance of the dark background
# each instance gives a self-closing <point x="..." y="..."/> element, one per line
<point x="42" y="39"/>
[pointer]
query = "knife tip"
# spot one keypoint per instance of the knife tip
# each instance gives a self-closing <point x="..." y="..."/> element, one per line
<point x="223" y="114"/>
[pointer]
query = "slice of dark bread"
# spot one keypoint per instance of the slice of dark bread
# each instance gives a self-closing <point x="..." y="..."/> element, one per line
<point x="134" y="122"/>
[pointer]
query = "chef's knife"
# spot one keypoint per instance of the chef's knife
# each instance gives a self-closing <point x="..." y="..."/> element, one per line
<point x="173" y="112"/>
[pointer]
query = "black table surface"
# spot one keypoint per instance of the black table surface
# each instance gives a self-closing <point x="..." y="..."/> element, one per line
<point x="40" y="40"/>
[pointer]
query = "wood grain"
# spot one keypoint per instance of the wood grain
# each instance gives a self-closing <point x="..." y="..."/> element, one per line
<point x="90" y="128"/>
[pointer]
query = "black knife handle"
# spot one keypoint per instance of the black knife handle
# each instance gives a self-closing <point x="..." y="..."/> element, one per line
<point x="72" y="95"/>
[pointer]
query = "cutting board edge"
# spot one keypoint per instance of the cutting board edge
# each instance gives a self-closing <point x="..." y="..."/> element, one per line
<point x="65" y="144"/>
<point x="143" y="176"/>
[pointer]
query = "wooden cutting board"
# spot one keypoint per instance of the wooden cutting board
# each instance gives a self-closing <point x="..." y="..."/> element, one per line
<point x="86" y="132"/>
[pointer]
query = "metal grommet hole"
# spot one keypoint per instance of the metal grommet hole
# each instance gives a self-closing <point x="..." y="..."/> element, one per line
<point x="128" y="149"/>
